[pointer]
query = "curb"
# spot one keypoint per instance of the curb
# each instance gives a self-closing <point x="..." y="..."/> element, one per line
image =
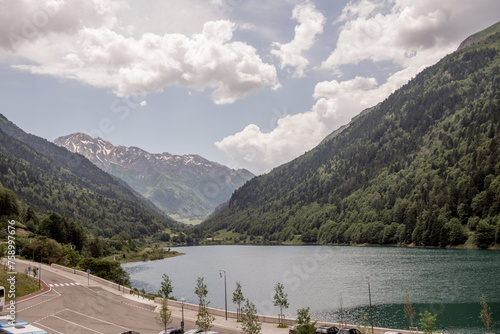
<point x="43" y="291"/>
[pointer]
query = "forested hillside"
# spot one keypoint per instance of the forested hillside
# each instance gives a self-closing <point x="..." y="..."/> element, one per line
<point x="48" y="178"/>
<point x="423" y="168"/>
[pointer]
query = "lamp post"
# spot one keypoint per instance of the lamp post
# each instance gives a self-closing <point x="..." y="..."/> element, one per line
<point x="40" y="273"/>
<point x="225" y="289"/>
<point x="182" y="321"/>
<point x="33" y="248"/>
<point x="74" y="269"/>
<point x="370" y="298"/>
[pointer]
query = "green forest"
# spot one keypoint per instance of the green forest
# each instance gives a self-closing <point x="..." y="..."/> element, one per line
<point x="49" y="178"/>
<point x="421" y="168"/>
<point x="56" y="239"/>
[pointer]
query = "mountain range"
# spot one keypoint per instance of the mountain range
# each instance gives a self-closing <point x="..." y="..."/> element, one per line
<point x="188" y="187"/>
<point x="48" y="178"/>
<point x="421" y="168"/>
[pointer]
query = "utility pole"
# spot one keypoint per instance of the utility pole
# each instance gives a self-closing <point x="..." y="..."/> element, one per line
<point x="370" y="297"/>
<point x="225" y="288"/>
<point x="182" y="322"/>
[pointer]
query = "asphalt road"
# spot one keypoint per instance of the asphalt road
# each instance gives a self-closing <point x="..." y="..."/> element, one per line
<point x="73" y="306"/>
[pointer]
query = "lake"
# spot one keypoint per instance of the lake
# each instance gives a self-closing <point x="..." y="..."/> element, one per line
<point x="446" y="282"/>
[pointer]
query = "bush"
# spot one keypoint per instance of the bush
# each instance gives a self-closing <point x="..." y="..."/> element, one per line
<point x="485" y="234"/>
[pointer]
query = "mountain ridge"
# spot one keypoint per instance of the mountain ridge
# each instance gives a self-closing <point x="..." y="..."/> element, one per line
<point x="187" y="187"/>
<point x="420" y="168"/>
<point x="49" y="178"/>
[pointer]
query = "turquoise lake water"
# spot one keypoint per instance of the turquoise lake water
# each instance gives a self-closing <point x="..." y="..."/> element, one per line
<point x="446" y="282"/>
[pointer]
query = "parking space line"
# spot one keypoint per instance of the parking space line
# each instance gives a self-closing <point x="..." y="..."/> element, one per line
<point x="74" y="323"/>
<point x="104" y="321"/>
<point x="52" y="330"/>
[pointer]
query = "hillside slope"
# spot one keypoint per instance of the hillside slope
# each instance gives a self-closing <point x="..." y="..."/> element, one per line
<point x="422" y="167"/>
<point x="49" y="178"/>
<point x="186" y="187"/>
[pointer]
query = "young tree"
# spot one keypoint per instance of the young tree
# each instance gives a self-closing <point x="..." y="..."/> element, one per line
<point x="341" y="312"/>
<point x="364" y="324"/>
<point x="204" y="320"/>
<point x="165" y="286"/>
<point x="485" y="314"/>
<point x="251" y="324"/>
<point x="238" y="299"/>
<point x="303" y="320"/>
<point x="427" y="322"/>
<point x="165" y="317"/>
<point x="280" y="299"/>
<point x="409" y="311"/>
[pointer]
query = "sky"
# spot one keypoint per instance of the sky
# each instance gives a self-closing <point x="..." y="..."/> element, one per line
<point x="247" y="83"/>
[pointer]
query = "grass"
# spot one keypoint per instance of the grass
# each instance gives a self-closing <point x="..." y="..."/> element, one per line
<point x="24" y="284"/>
<point x="147" y="254"/>
<point x="226" y="235"/>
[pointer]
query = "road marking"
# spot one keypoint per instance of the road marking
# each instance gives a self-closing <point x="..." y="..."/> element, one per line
<point x="74" y="323"/>
<point x="58" y="295"/>
<point x="88" y="316"/>
<point x="120" y="301"/>
<point x="54" y="285"/>
<point x="51" y="329"/>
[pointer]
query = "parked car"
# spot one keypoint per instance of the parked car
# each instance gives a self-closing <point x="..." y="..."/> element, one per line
<point x="193" y="331"/>
<point x="349" y="331"/>
<point x="327" y="330"/>
<point x="171" y="331"/>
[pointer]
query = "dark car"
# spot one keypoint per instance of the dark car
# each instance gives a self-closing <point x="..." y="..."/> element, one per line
<point x="171" y="331"/>
<point x="327" y="330"/>
<point x="349" y="331"/>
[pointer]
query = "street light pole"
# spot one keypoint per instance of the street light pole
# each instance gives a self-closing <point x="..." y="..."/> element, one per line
<point x="33" y="247"/>
<point x="225" y="289"/>
<point x="182" y="321"/>
<point x="370" y="297"/>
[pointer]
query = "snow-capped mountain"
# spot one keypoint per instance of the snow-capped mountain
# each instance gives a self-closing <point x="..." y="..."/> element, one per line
<point x="187" y="187"/>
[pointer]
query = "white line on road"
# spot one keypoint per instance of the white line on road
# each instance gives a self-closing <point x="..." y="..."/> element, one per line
<point x="74" y="323"/>
<point x="58" y="295"/>
<point x="51" y="329"/>
<point x="88" y="316"/>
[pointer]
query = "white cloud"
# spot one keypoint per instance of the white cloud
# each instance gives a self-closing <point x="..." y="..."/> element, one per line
<point x="105" y="58"/>
<point x="310" y="24"/>
<point x="82" y="40"/>
<point x="24" y="21"/>
<point x="403" y="31"/>
<point x="410" y="34"/>
<point x="337" y="103"/>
